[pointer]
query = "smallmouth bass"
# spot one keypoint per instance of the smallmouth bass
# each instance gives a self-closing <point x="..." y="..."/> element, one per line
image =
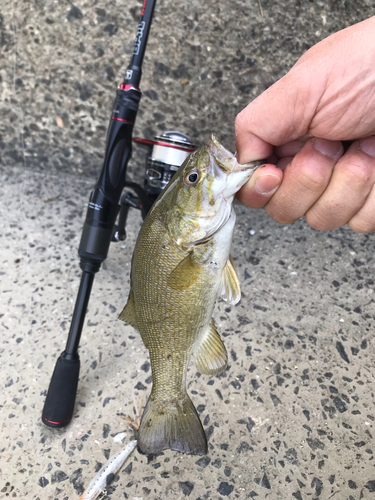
<point x="180" y="265"/>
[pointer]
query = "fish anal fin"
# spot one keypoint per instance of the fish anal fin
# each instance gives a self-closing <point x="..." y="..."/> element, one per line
<point x="171" y="424"/>
<point x="185" y="274"/>
<point x="211" y="356"/>
<point x="230" y="289"/>
<point x="128" y="313"/>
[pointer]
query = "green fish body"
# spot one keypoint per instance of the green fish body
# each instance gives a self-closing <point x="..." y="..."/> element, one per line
<point x="181" y="264"/>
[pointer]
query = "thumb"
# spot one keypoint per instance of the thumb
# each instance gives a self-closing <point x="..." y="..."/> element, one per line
<point x="280" y="114"/>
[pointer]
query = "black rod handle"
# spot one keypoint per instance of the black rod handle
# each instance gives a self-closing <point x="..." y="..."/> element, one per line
<point x="59" y="404"/>
<point x="79" y="314"/>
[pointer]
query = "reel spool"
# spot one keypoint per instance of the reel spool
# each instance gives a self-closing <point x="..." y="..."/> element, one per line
<point x="167" y="153"/>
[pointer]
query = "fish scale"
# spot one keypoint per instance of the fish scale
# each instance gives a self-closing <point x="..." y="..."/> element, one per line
<point x="166" y="307"/>
<point x="181" y="263"/>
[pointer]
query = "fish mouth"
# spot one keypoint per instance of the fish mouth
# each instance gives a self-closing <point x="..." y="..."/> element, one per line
<point x="239" y="176"/>
<point x="227" y="161"/>
<point x="246" y="166"/>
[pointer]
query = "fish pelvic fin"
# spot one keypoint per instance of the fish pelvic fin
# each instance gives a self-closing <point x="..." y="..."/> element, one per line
<point x="211" y="356"/>
<point x="171" y="424"/>
<point x="230" y="289"/>
<point x="128" y="313"/>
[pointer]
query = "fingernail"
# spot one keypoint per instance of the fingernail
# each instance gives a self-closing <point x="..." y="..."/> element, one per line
<point x="328" y="148"/>
<point x="267" y="184"/>
<point x="367" y="145"/>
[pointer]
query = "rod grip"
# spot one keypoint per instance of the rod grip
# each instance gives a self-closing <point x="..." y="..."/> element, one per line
<point x="59" y="404"/>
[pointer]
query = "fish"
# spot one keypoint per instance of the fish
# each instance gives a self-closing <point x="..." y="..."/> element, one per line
<point x="107" y="472"/>
<point x="180" y="265"/>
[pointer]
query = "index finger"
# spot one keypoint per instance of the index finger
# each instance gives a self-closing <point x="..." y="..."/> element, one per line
<point x="280" y="115"/>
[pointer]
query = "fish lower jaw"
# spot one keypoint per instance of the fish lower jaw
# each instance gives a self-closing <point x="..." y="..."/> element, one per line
<point x="249" y="166"/>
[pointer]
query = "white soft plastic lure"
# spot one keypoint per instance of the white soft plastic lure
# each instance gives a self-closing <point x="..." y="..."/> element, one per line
<point x="113" y="465"/>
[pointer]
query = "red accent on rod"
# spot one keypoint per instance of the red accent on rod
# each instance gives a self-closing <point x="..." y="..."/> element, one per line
<point x="122" y="120"/>
<point x="146" y="142"/>
<point x="125" y="86"/>
<point x="144" y="7"/>
<point x="52" y="422"/>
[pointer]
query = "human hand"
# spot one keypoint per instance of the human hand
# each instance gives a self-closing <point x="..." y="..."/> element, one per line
<point x="299" y="124"/>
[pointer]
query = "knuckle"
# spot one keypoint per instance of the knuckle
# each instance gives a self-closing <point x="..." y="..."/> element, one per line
<point x="240" y="121"/>
<point x="361" y="225"/>
<point x="279" y="215"/>
<point x="311" y="179"/>
<point x="319" y="221"/>
<point x="357" y="174"/>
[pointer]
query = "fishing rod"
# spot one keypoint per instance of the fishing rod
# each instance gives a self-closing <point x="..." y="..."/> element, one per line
<point x="99" y="226"/>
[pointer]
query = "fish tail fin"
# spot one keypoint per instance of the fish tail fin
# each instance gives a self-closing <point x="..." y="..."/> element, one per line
<point x="175" y="425"/>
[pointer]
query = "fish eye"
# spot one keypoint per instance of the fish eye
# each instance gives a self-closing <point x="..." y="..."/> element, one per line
<point x="191" y="178"/>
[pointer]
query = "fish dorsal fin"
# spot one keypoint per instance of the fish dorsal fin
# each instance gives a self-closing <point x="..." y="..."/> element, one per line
<point x="185" y="273"/>
<point x="211" y="356"/>
<point x="230" y="289"/>
<point x="128" y="313"/>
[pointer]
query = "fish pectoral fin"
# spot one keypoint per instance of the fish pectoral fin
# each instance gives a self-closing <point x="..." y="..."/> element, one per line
<point x="128" y="313"/>
<point x="230" y="289"/>
<point x="185" y="273"/>
<point x="211" y="356"/>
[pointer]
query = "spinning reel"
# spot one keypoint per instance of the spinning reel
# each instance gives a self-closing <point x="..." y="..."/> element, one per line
<point x="166" y="153"/>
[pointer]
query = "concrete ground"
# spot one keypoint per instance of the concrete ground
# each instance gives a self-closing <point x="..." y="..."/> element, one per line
<point x="293" y="415"/>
